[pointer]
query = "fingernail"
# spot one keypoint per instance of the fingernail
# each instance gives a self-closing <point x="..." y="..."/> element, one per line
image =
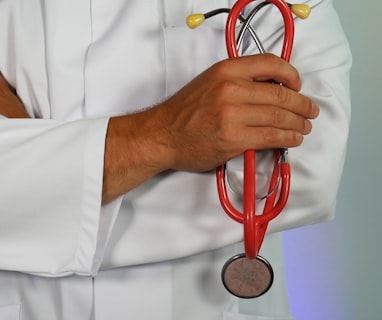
<point x="308" y="126"/>
<point x="299" y="138"/>
<point x="315" y="110"/>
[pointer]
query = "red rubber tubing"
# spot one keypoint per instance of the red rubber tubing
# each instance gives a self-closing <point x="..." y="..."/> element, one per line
<point x="255" y="226"/>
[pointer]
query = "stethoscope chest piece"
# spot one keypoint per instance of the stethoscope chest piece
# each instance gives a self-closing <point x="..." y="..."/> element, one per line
<point x="247" y="278"/>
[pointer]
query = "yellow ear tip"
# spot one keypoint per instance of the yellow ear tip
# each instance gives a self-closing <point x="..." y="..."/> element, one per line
<point x="301" y="10"/>
<point x="195" y="20"/>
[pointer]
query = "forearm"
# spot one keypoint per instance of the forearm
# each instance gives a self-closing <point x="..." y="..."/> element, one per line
<point x="133" y="154"/>
<point x="224" y="111"/>
<point x="123" y="169"/>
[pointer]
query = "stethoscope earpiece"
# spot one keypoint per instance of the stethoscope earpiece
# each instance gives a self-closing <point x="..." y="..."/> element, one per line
<point x="195" y="20"/>
<point x="301" y="11"/>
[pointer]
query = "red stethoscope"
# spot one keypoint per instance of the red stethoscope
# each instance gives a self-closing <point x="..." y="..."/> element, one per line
<point x="249" y="275"/>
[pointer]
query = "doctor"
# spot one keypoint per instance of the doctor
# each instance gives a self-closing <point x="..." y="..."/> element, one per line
<point x="108" y="205"/>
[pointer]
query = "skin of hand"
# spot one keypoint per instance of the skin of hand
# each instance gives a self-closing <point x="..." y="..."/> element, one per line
<point x="235" y="105"/>
<point x="10" y="104"/>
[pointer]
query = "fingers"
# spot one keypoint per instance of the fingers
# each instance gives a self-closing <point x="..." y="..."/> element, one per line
<point x="273" y="117"/>
<point x="10" y="104"/>
<point x="232" y="107"/>
<point x="263" y="67"/>
<point x="270" y="138"/>
<point x="259" y="114"/>
<point x="260" y="127"/>
<point x="269" y="94"/>
<point x="246" y="80"/>
<point x="264" y="105"/>
<point x="283" y="97"/>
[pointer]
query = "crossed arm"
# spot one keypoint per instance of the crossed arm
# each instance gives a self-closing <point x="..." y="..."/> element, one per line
<point x="229" y="108"/>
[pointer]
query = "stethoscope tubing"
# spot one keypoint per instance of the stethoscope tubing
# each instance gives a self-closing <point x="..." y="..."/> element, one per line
<point x="255" y="225"/>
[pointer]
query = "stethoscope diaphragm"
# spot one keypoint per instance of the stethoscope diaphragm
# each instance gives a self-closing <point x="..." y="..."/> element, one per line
<point x="247" y="278"/>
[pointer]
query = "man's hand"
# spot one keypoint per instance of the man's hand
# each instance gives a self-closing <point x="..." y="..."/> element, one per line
<point x="236" y="105"/>
<point x="10" y="104"/>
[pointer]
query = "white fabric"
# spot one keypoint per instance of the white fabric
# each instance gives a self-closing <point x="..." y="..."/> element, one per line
<point x="10" y="312"/>
<point x="186" y="288"/>
<point x="75" y="64"/>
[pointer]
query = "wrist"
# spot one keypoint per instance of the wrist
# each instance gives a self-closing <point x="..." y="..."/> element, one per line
<point x="135" y="151"/>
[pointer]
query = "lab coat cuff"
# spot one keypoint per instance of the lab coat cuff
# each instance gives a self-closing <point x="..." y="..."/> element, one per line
<point x="98" y="219"/>
<point x="107" y="218"/>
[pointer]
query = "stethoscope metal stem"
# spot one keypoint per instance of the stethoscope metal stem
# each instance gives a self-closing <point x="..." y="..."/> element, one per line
<point x="246" y="26"/>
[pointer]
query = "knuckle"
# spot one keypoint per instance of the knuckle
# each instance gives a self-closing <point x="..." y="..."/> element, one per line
<point x="274" y="138"/>
<point x="227" y="113"/>
<point x="270" y="137"/>
<point x="226" y="135"/>
<point x="281" y="94"/>
<point x="224" y="90"/>
<point x="227" y="87"/>
<point x="277" y="117"/>
<point x="293" y="139"/>
<point x="225" y="125"/>
<point x="222" y="67"/>
<point x="272" y="61"/>
<point x="226" y="130"/>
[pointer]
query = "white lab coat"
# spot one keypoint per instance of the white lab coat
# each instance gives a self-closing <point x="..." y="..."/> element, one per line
<point x="157" y="251"/>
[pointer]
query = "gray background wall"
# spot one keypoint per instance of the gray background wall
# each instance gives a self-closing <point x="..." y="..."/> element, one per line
<point x="334" y="269"/>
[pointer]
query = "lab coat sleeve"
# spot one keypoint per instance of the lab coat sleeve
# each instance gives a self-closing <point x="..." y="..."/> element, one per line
<point x="322" y="57"/>
<point x="51" y="167"/>
<point x="50" y="196"/>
